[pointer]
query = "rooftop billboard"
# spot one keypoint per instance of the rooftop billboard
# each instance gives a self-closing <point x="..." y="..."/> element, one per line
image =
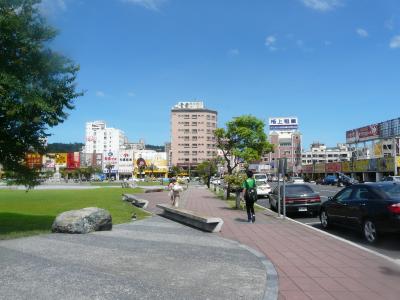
<point x="283" y="124"/>
<point x="363" y="134"/>
<point x="383" y="130"/>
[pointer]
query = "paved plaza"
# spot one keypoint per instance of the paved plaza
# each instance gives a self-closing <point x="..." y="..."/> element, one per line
<point x="149" y="259"/>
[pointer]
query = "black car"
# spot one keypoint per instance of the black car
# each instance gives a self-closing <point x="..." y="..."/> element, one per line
<point x="298" y="198"/>
<point x="373" y="208"/>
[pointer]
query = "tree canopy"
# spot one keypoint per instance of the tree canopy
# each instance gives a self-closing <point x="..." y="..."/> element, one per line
<point x="37" y="86"/>
<point x="206" y="169"/>
<point x="243" y="140"/>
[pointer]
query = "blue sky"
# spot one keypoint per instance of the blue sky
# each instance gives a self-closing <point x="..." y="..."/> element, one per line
<point x="332" y="63"/>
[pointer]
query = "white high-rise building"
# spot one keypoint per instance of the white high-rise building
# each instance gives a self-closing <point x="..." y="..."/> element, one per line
<point x="104" y="140"/>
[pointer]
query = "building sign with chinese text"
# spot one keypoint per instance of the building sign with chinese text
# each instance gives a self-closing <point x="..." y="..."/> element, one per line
<point x="33" y="160"/>
<point x="283" y="124"/>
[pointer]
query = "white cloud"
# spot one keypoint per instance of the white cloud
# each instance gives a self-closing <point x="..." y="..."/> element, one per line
<point x="50" y="7"/>
<point x="149" y="4"/>
<point x="100" y="94"/>
<point x="270" y="43"/>
<point x="395" y="42"/>
<point x="131" y="94"/>
<point x="322" y="5"/>
<point x="362" y="32"/>
<point x="233" y="52"/>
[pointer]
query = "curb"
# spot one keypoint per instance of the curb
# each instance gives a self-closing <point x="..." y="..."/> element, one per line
<point x="272" y="280"/>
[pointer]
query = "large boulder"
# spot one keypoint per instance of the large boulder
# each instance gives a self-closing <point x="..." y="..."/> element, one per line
<point x="84" y="220"/>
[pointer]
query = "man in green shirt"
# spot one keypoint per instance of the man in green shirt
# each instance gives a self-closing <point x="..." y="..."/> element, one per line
<point x="250" y="196"/>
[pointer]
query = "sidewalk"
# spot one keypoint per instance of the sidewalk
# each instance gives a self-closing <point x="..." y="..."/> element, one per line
<point x="310" y="264"/>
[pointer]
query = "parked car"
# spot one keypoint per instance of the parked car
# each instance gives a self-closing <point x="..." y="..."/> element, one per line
<point x="344" y="180"/>
<point x="391" y="178"/>
<point x="263" y="188"/>
<point x="330" y="180"/>
<point x="373" y="208"/>
<point x="297" y="180"/>
<point x="260" y="178"/>
<point x="298" y="198"/>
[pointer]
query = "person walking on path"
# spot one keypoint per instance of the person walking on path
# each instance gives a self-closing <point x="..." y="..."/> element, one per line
<point x="174" y="192"/>
<point x="250" y="196"/>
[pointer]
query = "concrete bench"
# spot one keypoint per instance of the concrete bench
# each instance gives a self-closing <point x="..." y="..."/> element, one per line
<point x="135" y="200"/>
<point x="210" y="224"/>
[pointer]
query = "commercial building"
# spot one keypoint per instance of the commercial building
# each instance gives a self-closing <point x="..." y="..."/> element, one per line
<point x="320" y="153"/>
<point x="284" y="135"/>
<point x="374" y="153"/>
<point x="192" y="134"/>
<point x="107" y="141"/>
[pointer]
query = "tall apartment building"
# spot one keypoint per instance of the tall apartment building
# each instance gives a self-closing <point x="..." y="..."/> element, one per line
<point x="319" y="153"/>
<point x="286" y="138"/>
<point x="105" y="140"/>
<point x="100" y="138"/>
<point x="192" y="134"/>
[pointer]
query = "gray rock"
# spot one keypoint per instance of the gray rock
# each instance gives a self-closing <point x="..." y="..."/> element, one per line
<point x="83" y="221"/>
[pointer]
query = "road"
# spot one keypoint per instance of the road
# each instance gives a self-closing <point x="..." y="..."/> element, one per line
<point x="389" y="245"/>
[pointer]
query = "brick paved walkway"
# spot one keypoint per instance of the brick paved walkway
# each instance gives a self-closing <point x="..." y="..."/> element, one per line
<point x="310" y="265"/>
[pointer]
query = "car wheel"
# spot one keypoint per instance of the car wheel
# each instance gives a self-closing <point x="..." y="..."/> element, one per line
<point x="323" y="217"/>
<point x="370" y="232"/>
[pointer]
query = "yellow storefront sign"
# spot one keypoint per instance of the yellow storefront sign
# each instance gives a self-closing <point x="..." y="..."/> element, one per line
<point x="361" y="165"/>
<point x="319" y="168"/>
<point x="386" y="164"/>
<point x="61" y="158"/>
<point x="378" y="149"/>
<point x="398" y="161"/>
<point x="346" y="167"/>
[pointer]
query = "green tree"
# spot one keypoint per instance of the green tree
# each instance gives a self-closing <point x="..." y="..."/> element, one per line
<point x="235" y="181"/>
<point x="206" y="169"/>
<point x="176" y="170"/>
<point x="37" y="86"/>
<point x="243" y="141"/>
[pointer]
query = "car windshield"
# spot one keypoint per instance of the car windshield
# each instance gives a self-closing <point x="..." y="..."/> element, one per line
<point x="260" y="177"/>
<point x="298" y="189"/>
<point x="390" y="190"/>
<point x="296" y="178"/>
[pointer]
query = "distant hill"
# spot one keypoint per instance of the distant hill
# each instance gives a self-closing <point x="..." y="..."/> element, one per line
<point x="61" y="147"/>
<point x="76" y="147"/>
<point x="155" y="147"/>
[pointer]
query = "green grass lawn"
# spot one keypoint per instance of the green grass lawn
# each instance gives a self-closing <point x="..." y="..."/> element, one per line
<point x="33" y="212"/>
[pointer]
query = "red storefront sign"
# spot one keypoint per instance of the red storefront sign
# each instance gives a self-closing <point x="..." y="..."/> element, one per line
<point x="307" y="168"/>
<point x="333" y="167"/>
<point x="73" y="160"/>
